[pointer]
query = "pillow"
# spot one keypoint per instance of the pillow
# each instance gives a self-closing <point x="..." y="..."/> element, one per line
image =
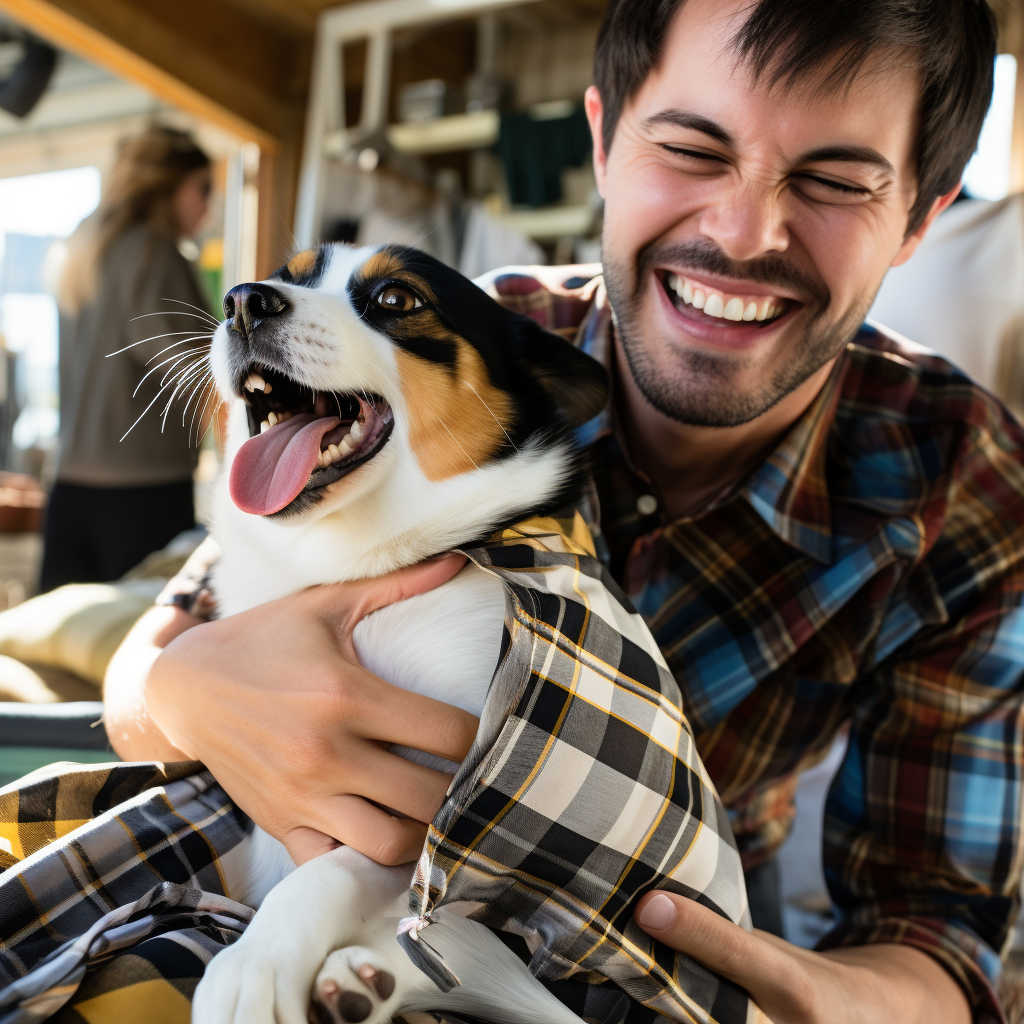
<point x="76" y="627"/>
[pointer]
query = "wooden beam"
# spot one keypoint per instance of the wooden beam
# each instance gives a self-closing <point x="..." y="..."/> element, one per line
<point x="198" y="55"/>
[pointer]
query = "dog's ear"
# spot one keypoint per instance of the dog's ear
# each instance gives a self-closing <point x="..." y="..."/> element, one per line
<point x="574" y="381"/>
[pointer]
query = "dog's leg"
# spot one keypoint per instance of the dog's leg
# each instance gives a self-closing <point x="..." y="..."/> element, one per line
<point x="267" y="976"/>
<point x="369" y="983"/>
<point x="254" y="867"/>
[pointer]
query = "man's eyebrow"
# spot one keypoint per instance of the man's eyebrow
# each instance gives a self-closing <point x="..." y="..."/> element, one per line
<point x="685" y="119"/>
<point x="850" y="154"/>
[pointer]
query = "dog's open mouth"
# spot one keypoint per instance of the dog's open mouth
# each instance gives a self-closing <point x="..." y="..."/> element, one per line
<point x="301" y="439"/>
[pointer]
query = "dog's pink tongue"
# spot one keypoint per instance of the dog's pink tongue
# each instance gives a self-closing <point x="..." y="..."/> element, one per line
<point x="271" y="468"/>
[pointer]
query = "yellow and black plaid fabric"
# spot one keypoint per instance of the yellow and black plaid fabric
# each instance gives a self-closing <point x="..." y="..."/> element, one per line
<point x="112" y="901"/>
<point x="583" y="791"/>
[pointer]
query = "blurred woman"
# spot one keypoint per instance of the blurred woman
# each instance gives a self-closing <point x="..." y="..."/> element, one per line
<point x="124" y="483"/>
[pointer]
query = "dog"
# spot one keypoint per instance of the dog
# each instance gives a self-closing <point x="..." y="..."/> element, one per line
<point x="383" y="409"/>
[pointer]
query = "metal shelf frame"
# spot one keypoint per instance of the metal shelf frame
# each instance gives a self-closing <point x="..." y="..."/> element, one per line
<point x="326" y="132"/>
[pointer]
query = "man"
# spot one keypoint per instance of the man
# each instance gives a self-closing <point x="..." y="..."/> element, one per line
<point x="820" y="526"/>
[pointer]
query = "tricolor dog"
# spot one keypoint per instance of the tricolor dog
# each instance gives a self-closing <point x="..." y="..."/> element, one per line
<point x="383" y="409"/>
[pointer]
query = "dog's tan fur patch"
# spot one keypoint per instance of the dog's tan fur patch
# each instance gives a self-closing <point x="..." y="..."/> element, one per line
<point x="302" y="263"/>
<point x="387" y="264"/>
<point x="455" y="419"/>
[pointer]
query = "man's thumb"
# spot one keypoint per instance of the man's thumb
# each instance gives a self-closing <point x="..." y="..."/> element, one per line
<point x="366" y="596"/>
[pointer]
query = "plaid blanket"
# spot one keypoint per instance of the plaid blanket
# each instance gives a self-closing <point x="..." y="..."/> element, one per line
<point x="582" y="792"/>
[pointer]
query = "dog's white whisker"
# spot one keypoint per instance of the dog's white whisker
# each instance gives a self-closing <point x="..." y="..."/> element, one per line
<point x="184" y="379"/>
<point x="155" y="337"/>
<point x="175" y="312"/>
<point x="211" y="390"/>
<point x="201" y="382"/>
<point x="191" y="305"/>
<point x="493" y="417"/>
<point x="456" y="440"/>
<point x="174" y="344"/>
<point x="177" y="356"/>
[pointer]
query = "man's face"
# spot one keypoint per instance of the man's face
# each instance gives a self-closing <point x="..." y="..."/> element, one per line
<point x="778" y="212"/>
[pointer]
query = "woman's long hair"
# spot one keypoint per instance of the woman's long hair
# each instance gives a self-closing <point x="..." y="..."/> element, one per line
<point x="140" y="190"/>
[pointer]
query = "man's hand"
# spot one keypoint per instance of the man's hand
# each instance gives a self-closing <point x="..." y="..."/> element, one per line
<point x="274" y="702"/>
<point x="860" y="985"/>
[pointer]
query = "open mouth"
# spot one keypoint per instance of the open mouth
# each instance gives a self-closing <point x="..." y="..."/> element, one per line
<point x="301" y="440"/>
<point x="697" y="300"/>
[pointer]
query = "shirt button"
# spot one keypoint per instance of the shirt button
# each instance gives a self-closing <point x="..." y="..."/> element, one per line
<point x="647" y="504"/>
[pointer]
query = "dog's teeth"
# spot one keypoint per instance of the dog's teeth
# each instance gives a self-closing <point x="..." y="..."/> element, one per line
<point x="346" y="445"/>
<point x="264" y="426"/>
<point x="255" y="382"/>
<point x="335" y="452"/>
<point x="283" y="416"/>
<point x="272" y="419"/>
<point x="356" y="431"/>
<point x="267" y="389"/>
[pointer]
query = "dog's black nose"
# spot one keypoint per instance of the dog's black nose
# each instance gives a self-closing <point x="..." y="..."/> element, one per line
<point x="248" y="305"/>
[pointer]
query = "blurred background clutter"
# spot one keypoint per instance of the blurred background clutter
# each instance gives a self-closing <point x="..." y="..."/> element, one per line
<point x="453" y="125"/>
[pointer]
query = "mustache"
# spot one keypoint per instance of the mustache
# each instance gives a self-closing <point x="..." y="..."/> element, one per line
<point x="703" y="254"/>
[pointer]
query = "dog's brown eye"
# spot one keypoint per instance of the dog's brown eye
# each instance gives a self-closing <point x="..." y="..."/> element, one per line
<point x="398" y="300"/>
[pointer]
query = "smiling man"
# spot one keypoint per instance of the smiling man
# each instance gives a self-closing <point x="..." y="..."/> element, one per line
<point x="823" y="525"/>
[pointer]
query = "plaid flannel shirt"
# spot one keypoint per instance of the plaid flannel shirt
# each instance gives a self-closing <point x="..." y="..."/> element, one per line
<point x="583" y="791"/>
<point x="868" y="573"/>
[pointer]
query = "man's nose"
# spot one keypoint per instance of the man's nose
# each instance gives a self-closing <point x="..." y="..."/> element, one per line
<point x="248" y="305"/>
<point x="746" y="222"/>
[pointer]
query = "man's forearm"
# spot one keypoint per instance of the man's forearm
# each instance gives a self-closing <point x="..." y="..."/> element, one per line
<point x="905" y="984"/>
<point x="133" y="734"/>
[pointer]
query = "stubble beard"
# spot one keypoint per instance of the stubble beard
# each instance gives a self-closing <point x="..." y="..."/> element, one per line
<point x="698" y="388"/>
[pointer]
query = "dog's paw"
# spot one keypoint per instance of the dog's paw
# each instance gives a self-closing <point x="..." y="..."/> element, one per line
<point x="246" y="984"/>
<point x="356" y="986"/>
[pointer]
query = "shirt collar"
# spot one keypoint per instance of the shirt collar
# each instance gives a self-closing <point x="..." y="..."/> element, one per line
<point x="789" y="490"/>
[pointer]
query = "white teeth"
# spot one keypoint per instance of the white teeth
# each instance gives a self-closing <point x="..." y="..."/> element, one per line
<point x="335" y="452"/>
<point x="356" y="431"/>
<point x="733" y="309"/>
<point x="272" y="419"/>
<point x="264" y="426"/>
<point x="345" y="445"/>
<point x="714" y="306"/>
<point x="254" y="382"/>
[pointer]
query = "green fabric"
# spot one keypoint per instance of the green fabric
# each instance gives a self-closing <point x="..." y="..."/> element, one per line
<point x="535" y="152"/>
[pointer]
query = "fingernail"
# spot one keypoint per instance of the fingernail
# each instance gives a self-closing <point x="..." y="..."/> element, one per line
<point x="658" y="913"/>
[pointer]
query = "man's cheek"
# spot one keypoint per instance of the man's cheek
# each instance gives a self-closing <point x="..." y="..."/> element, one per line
<point x="647" y="200"/>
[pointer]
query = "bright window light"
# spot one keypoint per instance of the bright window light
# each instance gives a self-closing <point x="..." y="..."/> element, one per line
<point x="47" y="206"/>
<point x="988" y="174"/>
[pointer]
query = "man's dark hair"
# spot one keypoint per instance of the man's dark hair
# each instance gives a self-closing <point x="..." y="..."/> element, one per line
<point x="951" y="42"/>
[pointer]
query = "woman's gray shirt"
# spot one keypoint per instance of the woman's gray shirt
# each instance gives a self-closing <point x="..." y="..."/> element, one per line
<point x="142" y="273"/>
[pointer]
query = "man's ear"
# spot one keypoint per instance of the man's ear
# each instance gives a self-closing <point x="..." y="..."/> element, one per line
<point x="595" y="115"/>
<point x="915" y="238"/>
<point x="574" y="381"/>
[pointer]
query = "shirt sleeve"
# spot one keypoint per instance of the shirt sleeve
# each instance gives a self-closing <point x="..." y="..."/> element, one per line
<point x="922" y="834"/>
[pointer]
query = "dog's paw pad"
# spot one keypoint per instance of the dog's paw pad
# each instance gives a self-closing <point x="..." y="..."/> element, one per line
<point x="382" y="982"/>
<point x="350" y="988"/>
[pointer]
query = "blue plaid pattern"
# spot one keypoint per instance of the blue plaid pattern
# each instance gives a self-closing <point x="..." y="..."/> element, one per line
<point x="869" y="574"/>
